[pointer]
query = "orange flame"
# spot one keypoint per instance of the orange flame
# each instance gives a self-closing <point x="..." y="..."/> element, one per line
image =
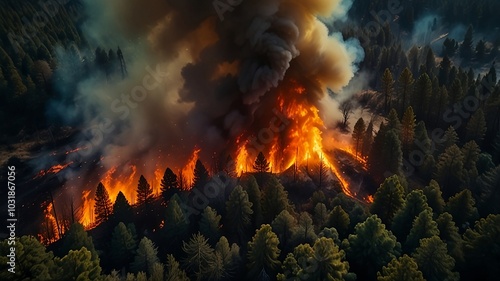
<point x="49" y="232"/>
<point x="52" y="170"/>
<point x="188" y="170"/>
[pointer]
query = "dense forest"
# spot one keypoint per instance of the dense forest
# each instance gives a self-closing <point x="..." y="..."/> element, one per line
<point x="432" y="147"/>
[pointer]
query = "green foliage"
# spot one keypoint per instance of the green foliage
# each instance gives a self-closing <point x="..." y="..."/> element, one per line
<point x="284" y="225"/>
<point x="321" y="215"/>
<point x="422" y="97"/>
<point x="145" y="257"/>
<point x="387" y="88"/>
<point x="434" y="197"/>
<point x="388" y="199"/>
<point x="408" y="129"/>
<point x="476" y="127"/>
<point x="405" y="88"/>
<point x="33" y="262"/>
<point x="239" y="211"/>
<point x="399" y="269"/>
<point x="304" y="232"/>
<point x="392" y="154"/>
<point x="489" y="184"/>
<point x="462" y="208"/>
<point x="250" y="185"/>
<point x="481" y="246"/>
<point x="209" y="225"/>
<point x="76" y="238"/>
<point x="328" y="261"/>
<point x="371" y="246"/>
<point x="199" y="256"/>
<point x="415" y="203"/>
<point x="450" y="170"/>
<point x="173" y="270"/>
<point x="263" y="252"/>
<point x="103" y="206"/>
<point x="423" y="227"/>
<point x="339" y="219"/>
<point x="122" y="246"/>
<point x="448" y="232"/>
<point x="176" y="223"/>
<point x="433" y="260"/>
<point x="274" y="200"/>
<point x="78" y="265"/>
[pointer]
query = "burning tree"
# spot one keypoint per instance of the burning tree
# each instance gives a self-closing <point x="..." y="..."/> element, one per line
<point x="144" y="193"/>
<point x="103" y="206"/>
<point x="357" y="135"/>
<point x="261" y="164"/>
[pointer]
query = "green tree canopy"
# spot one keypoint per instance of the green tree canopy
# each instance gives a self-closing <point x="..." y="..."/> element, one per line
<point x="263" y="252"/>
<point x="123" y="246"/>
<point x="209" y="225"/>
<point x="239" y="212"/>
<point x="388" y="199"/>
<point x="145" y="257"/>
<point x="399" y="269"/>
<point x="433" y="260"/>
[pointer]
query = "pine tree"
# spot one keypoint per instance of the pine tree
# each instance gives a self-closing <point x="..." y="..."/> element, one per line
<point x="388" y="199"/>
<point x="122" y="211"/>
<point x="78" y="265"/>
<point x="263" y="252"/>
<point x="423" y="227"/>
<point x="466" y="46"/>
<point x="450" y="138"/>
<point x="434" y="197"/>
<point x="392" y="153"/>
<point x="405" y="83"/>
<point x="201" y="176"/>
<point x="456" y="92"/>
<point x="254" y="196"/>
<point x="157" y="272"/>
<point x="174" y="272"/>
<point x="471" y="152"/>
<point x="476" y="127"/>
<point x="367" y="141"/>
<point x="199" y="256"/>
<point x="239" y="212"/>
<point x="209" y="225"/>
<point x="339" y="219"/>
<point x="304" y="232"/>
<point x="393" y="122"/>
<point x="169" y="184"/>
<point x="489" y="184"/>
<point x="284" y="225"/>
<point x="399" y="269"/>
<point x="448" y="232"/>
<point x="122" y="246"/>
<point x="103" y="206"/>
<point x="423" y="93"/>
<point x="462" y="207"/>
<point x="321" y="214"/>
<point x="415" y="203"/>
<point x="327" y="260"/>
<point x="449" y="170"/>
<point x="387" y="88"/>
<point x="146" y="256"/>
<point x="33" y="262"/>
<point x="176" y="223"/>
<point x="357" y="135"/>
<point x="261" y="164"/>
<point x="144" y="192"/>
<point x="433" y="260"/>
<point x="76" y="238"/>
<point x="274" y="200"/>
<point x="481" y="246"/>
<point x="371" y="247"/>
<point x="408" y="129"/>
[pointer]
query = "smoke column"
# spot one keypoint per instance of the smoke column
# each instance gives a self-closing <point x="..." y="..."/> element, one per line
<point x="218" y="78"/>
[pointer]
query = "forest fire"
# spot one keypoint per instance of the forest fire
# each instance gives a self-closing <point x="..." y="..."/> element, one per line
<point x="52" y="170"/>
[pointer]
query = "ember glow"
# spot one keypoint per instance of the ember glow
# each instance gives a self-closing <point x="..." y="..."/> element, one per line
<point x="52" y="170"/>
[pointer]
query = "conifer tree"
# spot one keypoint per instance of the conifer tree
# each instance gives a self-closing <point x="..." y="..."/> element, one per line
<point x="448" y="232"/>
<point x="423" y="227"/>
<point x="176" y="223"/>
<point x="284" y="225"/>
<point x="304" y="232"/>
<point x="173" y="270"/>
<point x="209" y="225"/>
<point x="367" y="141"/>
<point x="263" y="253"/>
<point x="261" y="164"/>
<point x="169" y="184"/>
<point x="328" y="261"/>
<point x="239" y="212"/>
<point x="122" y="246"/>
<point x="434" y="197"/>
<point x="199" y="256"/>
<point x="402" y="268"/>
<point x="476" y="127"/>
<point x="421" y="98"/>
<point x="321" y="214"/>
<point x="76" y="238"/>
<point x="433" y="260"/>
<point x="408" y="129"/>
<point x="78" y="265"/>
<point x="357" y="135"/>
<point x="274" y="200"/>
<point x="388" y="199"/>
<point x="414" y="204"/>
<point x="103" y="206"/>
<point x="254" y="196"/>
<point x="462" y="208"/>
<point x="405" y="87"/>
<point x="387" y="88"/>
<point x="146" y="256"/>
<point x="144" y="192"/>
<point x="201" y="176"/>
<point x="339" y="219"/>
<point x="449" y="170"/>
<point x="122" y="211"/>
